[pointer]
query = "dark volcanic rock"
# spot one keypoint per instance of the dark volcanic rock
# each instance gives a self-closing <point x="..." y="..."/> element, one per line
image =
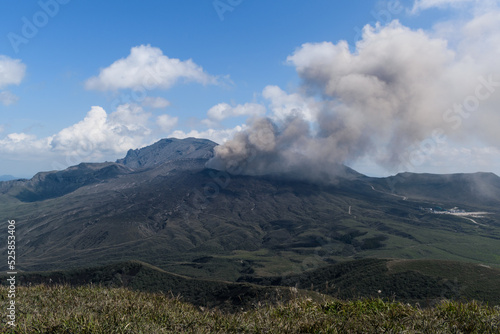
<point x="167" y="150"/>
<point x="47" y="185"/>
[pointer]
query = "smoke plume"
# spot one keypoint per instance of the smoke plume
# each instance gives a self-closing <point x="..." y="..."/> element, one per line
<point x="397" y="89"/>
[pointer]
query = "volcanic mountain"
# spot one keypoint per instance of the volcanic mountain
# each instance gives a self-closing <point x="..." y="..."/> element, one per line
<point x="161" y="205"/>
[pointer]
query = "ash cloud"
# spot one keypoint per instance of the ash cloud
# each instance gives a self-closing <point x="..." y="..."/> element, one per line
<point x="396" y="89"/>
<point x="288" y="147"/>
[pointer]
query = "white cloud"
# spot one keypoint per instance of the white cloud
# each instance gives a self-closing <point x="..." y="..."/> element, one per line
<point x="481" y="38"/>
<point x="22" y="144"/>
<point x="218" y="136"/>
<point x="12" y="71"/>
<point x="7" y="98"/>
<point x="155" y="102"/>
<point x="166" y="122"/>
<point x="100" y="133"/>
<point x="420" y="5"/>
<point x="98" y="137"/>
<point x="147" y="68"/>
<point x="222" y="111"/>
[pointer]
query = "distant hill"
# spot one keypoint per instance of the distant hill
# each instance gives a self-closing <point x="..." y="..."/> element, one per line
<point x="144" y="277"/>
<point x="7" y="177"/>
<point x="480" y="189"/>
<point x="46" y="185"/>
<point x="409" y="281"/>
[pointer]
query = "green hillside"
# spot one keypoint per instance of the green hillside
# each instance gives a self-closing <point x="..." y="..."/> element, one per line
<point x="425" y="282"/>
<point x="268" y="225"/>
<point x="144" y="277"/>
<point x="96" y="309"/>
<point x="411" y="281"/>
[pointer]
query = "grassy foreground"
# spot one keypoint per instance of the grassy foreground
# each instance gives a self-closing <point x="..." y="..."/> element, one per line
<point x="95" y="309"/>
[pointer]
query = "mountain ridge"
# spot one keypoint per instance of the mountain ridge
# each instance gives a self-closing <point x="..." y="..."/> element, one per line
<point x="168" y="149"/>
<point x="174" y="213"/>
<point x="461" y="187"/>
<point x="51" y="184"/>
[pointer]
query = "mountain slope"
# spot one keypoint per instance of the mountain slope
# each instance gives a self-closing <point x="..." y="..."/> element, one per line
<point x="46" y="185"/>
<point x="168" y="150"/>
<point x="187" y="219"/>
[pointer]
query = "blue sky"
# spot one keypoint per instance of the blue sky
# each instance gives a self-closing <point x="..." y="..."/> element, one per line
<point x="88" y="80"/>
